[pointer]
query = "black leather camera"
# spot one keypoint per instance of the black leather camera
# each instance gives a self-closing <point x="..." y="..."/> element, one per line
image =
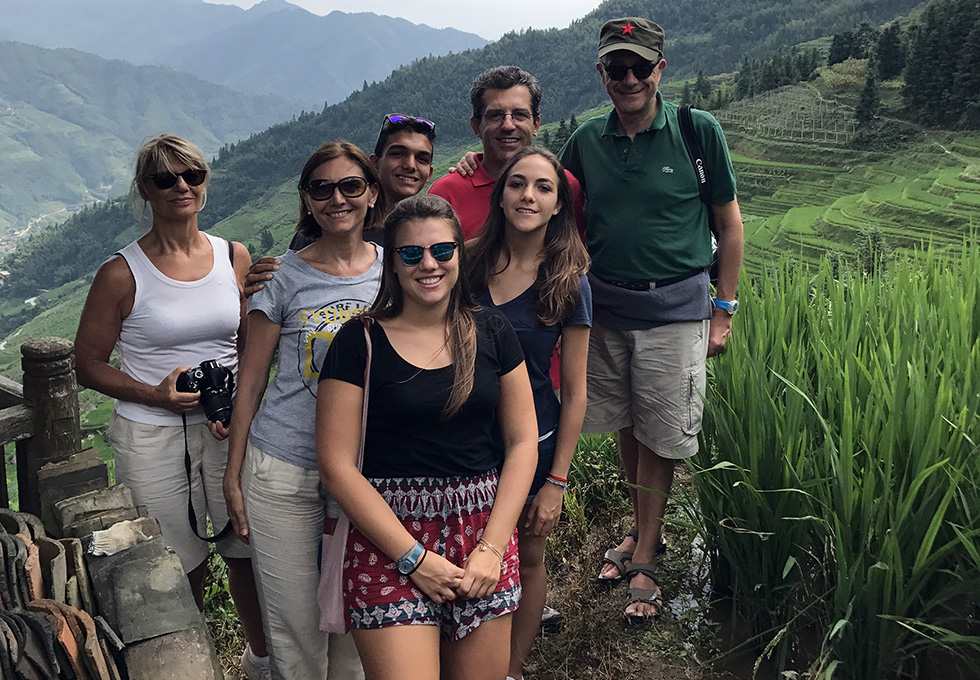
<point x="215" y="383"/>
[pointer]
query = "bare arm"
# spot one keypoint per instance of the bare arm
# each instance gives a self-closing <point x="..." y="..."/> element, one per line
<point x="546" y="507"/>
<point x="338" y="436"/>
<point x="520" y="434"/>
<point x="243" y="264"/>
<point x="242" y="260"/>
<point x="110" y="300"/>
<point x="253" y="377"/>
<point x="728" y="224"/>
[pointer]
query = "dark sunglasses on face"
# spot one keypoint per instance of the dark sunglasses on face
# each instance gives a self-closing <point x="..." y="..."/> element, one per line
<point x="166" y="180"/>
<point x="641" y="69"/>
<point x="321" y="189"/>
<point x="441" y="252"/>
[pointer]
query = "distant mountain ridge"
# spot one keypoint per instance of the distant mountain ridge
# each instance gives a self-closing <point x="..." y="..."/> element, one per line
<point x="273" y="47"/>
<point x="70" y="121"/>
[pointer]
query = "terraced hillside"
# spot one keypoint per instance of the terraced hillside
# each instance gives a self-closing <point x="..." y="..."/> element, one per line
<point x="926" y="191"/>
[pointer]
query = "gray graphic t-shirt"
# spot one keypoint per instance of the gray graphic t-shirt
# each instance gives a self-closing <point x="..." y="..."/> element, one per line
<point x="310" y="307"/>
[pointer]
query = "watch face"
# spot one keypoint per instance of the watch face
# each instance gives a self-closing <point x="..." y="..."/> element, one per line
<point x="733" y="307"/>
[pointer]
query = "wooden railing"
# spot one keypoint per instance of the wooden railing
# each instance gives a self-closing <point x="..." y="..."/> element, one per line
<point x="39" y="417"/>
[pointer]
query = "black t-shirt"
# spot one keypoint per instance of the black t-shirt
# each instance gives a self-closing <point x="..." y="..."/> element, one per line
<point x="405" y="435"/>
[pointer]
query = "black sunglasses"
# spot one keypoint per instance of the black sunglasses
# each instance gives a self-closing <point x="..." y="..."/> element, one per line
<point x="165" y="180"/>
<point x="397" y="118"/>
<point x="321" y="189"/>
<point x="441" y="252"/>
<point x="641" y="69"/>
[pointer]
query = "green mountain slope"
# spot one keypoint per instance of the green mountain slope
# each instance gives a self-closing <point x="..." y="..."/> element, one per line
<point x="69" y="122"/>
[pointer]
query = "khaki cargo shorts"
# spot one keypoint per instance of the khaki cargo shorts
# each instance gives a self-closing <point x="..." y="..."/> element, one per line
<point x="652" y="380"/>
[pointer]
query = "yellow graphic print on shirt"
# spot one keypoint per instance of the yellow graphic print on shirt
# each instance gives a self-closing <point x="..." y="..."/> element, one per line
<point x="318" y="327"/>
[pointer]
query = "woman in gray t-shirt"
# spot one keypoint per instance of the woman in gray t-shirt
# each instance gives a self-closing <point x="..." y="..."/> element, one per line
<point x="271" y="482"/>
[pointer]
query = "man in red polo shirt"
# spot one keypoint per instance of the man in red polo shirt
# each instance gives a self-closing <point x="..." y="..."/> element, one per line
<point x="506" y="101"/>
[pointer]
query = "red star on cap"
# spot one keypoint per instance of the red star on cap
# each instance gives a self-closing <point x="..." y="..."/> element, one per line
<point x="628" y="29"/>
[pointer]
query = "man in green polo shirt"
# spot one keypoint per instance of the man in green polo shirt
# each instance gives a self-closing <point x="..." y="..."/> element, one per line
<point x="655" y="320"/>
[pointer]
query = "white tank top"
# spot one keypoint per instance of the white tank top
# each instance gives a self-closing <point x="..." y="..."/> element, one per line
<point x="177" y="323"/>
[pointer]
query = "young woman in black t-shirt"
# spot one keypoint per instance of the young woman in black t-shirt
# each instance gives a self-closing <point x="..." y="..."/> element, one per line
<point x="434" y="538"/>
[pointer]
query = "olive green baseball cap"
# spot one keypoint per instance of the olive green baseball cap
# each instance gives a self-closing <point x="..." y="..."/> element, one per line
<point x="635" y="34"/>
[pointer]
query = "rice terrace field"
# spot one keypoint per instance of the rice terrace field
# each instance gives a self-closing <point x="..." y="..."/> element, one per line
<point x="806" y="190"/>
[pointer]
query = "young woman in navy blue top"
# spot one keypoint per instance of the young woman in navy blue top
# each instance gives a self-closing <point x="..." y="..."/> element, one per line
<point x="529" y="263"/>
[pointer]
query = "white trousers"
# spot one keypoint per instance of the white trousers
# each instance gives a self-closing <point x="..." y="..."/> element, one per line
<point x="285" y="519"/>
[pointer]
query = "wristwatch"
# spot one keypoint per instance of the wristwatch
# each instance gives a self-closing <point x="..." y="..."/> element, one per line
<point x="408" y="562"/>
<point x="730" y="307"/>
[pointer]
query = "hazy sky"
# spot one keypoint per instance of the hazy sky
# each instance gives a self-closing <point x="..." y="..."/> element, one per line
<point x="487" y="19"/>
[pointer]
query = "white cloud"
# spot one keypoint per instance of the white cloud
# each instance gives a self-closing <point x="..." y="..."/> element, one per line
<point x="488" y="19"/>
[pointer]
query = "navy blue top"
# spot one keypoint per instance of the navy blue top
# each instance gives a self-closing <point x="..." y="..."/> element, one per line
<point x="538" y="342"/>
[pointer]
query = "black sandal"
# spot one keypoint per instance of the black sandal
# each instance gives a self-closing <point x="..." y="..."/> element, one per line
<point x="651" y="596"/>
<point x="617" y="558"/>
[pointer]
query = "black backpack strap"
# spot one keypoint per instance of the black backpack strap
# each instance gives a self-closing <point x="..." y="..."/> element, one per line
<point x="231" y="255"/>
<point x="695" y="152"/>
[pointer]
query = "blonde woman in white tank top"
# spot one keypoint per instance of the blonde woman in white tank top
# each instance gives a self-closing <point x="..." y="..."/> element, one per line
<point x="167" y="302"/>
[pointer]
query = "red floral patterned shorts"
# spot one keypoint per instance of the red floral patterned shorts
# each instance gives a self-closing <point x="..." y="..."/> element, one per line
<point x="447" y="515"/>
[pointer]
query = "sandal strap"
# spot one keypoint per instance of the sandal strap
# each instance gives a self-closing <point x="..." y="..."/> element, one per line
<point x="615" y="558"/>
<point x="645" y="568"/>
<point x="645" y="595"/>
<point x="633" y="533"/>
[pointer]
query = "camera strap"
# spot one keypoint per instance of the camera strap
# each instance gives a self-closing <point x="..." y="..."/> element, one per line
<point x="191" y="515"/>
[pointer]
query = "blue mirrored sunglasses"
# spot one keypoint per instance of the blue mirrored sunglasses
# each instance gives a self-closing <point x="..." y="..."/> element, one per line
<point x="441" y="252"/>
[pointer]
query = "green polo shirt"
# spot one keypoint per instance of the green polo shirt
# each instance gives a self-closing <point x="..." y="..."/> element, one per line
<point x="644" y="216"/>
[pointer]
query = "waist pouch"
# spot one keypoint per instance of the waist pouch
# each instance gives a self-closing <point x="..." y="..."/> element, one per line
<point x="631" y="310"/>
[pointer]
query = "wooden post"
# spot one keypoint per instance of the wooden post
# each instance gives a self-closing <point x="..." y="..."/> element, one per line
<point x="51" y="388"/>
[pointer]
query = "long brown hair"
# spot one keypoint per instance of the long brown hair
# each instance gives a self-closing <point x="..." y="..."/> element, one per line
<point x="565" y="258"/>
<point x="459" y="316"/>
<point x="306" y="224"/>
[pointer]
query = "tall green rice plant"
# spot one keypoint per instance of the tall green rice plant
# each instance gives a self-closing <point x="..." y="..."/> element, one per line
<point x="754" y="473"/>
<point x="837" y="477"/>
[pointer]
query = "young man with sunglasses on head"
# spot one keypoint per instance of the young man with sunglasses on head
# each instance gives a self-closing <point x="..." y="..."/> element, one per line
<point x="506" y="103"/>
<point x="654" y="318"/>
<point x="403" y="158"/>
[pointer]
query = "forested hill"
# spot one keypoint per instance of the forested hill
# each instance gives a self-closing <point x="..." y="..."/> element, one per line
<point x="702" y="34"/>
<point x="69" y="122"/>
